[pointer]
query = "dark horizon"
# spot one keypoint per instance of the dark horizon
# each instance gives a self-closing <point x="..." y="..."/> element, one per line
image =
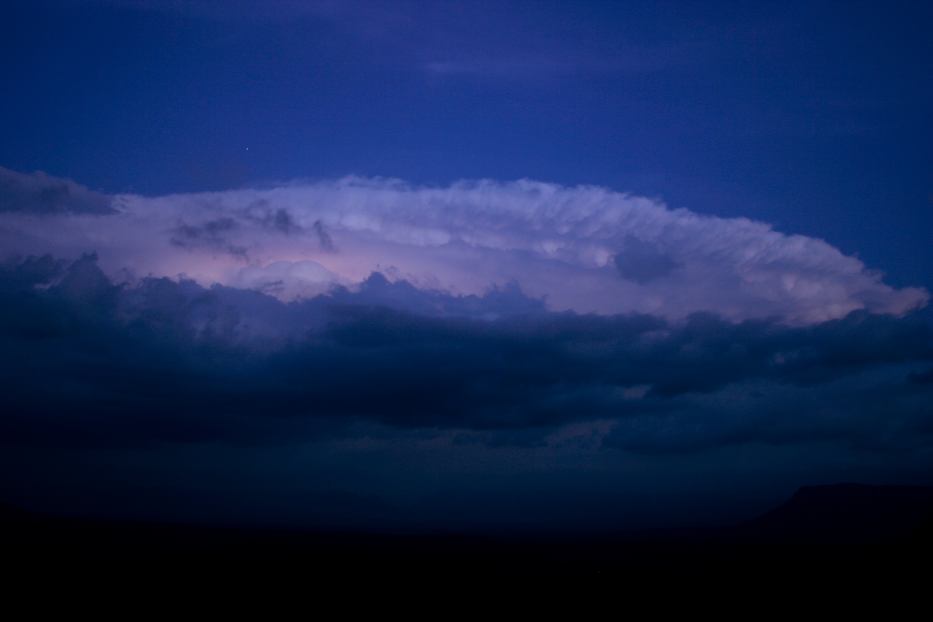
<point x="841" y="534"/>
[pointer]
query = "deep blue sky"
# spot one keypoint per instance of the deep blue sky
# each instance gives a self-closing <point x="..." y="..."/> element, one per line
<point x="811" y="116"/>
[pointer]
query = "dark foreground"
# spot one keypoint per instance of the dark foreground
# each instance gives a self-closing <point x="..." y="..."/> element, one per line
<point x="831" y="531"/>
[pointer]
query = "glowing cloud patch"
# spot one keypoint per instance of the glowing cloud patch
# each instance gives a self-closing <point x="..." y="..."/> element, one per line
<point x="586" y="249"/>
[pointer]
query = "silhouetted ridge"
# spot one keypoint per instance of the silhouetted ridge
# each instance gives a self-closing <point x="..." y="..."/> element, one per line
<point x="848" y="512"/>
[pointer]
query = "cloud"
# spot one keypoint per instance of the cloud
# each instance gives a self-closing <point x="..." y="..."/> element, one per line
<point x="211" y="235"/>
<point x="39" y="193"/>
<point x="531" y="65"/>
<point x="286" y="279"/>
<point x="323" y="237"/>
<point x="453" y="40"/>
<point x="179" y="400"/>
<point x="584" y="249"/>
<point x="922" y="377"/>
<point x="642" y="262"/>
<point x="92" y="362"/>
<point x="513" y="68"/>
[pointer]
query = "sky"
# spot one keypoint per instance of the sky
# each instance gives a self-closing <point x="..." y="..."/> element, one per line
<point x="462" y="265"/>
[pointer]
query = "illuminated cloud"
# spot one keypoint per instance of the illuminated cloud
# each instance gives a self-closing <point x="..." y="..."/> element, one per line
<point x="584" y="249"/>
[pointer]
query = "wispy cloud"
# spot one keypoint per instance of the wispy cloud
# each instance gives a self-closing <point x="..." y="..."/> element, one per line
<point x="557" y="65"/>
<point x="40" y="193"/>
<point x="452" y="39"/>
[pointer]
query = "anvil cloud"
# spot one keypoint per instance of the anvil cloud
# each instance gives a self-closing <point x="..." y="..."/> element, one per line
<point x="584" y="249"/>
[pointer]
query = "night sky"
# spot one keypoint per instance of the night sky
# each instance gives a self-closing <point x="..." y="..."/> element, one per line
<point x="462" y="265"/>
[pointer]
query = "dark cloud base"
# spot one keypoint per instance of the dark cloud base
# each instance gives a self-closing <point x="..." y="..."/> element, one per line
<point x="88" y="361"/>
<point x="393" y="407"/>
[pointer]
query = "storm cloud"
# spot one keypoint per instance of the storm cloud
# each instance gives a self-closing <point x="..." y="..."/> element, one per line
<point x="90" y="361"/>
<point x="584" y="249"/>
<point x="402" y="341"/>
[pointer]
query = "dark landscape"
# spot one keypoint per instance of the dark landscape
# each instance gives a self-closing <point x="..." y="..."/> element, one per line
<point x="844" y="529"/>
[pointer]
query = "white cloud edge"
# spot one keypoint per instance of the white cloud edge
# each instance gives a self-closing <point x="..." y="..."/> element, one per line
<point x="557" y="242"/>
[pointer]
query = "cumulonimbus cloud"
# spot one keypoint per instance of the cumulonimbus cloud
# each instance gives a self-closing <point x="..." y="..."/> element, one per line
<point x="585" y="249"/>
<point x="89" y="361"/>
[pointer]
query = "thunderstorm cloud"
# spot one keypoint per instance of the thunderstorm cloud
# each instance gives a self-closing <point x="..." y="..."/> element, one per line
<point x="583" y="249"/>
